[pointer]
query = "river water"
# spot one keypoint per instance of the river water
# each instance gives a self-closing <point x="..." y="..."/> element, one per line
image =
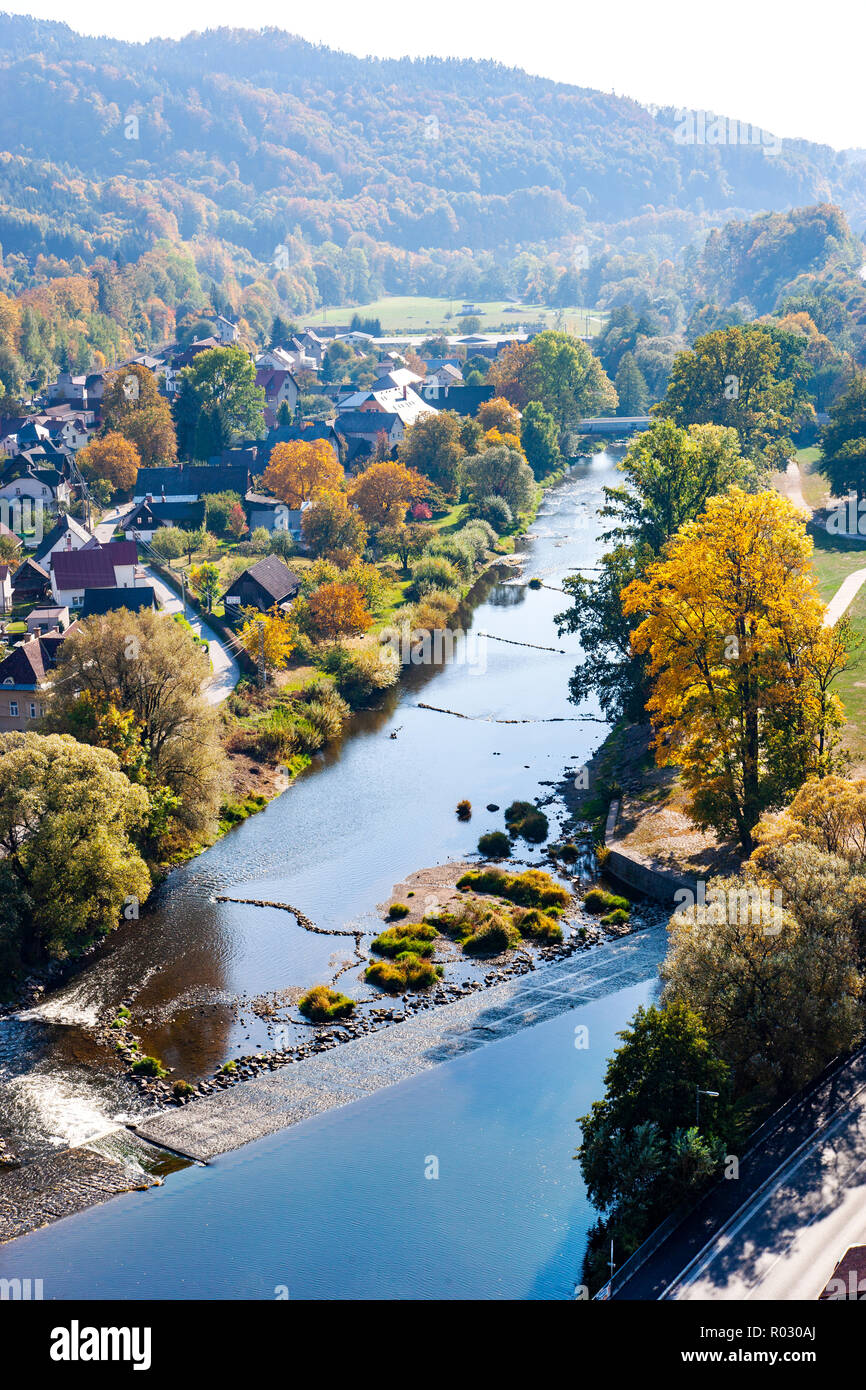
<point x="368" y="811"/>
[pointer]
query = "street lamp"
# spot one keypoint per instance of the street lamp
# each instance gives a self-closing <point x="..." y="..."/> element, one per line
<point x="698" y="1094"/>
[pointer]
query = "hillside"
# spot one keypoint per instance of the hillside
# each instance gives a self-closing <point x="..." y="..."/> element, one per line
<point x="248" y="137"/>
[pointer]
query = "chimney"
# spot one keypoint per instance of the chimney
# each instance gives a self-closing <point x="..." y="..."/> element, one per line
<point x="405" y="389"/>
<point x="149" y="497"/>
<point x="68" y="540"/>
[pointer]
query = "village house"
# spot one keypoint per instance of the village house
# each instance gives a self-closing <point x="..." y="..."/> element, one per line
<point x="108" y="600"/>
<point x="189" y="483"/>
<point x="30" y="582"/>
<point x="112" y="566"/>
<point x="279" y="386"/>
<point x="147" y="517"/>
<point x="24" y="677"/>
<point x="264" y="584"/>
<point x="65" y="534"/>
<point x="48" y="617"/>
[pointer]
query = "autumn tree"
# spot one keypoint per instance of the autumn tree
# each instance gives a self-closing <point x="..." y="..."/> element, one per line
<point x="69" y="817"/>
<point x="515" y="375"/>
<point x="740" y="660"/>
<point x="268" y="635"/>
<point x="499" y="414"/>
<point x="205" y="579"/>
<point x="113" y="458"/>
<point x="433" y="447"/>
<point x="330" y="525"/>
<point x="571" y="382"/>
<point x="337" y="610"/>
<point x="237" y="520"/>
<point x="133" y="407"/>
<point x="152" y="668"/>
<point x="301" y="470"/>
<point x="384" y="490"/>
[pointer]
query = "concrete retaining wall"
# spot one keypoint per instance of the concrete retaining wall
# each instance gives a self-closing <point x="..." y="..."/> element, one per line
<point x="658" y="884"/>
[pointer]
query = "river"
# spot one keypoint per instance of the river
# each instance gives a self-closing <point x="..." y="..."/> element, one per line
<point x="367" y="812"/>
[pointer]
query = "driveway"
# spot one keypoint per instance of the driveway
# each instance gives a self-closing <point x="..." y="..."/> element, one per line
<point x="226" y="672"/>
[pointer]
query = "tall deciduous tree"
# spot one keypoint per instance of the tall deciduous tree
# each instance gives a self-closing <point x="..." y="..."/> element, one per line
<point x="112" y="457"/>
<point x="68" y="820"/>
<point x="740" y="661"/>
<point x="433" y="447"/>
<point x="330" y="524"/>
<point x="300" y="470"/>
<point x="843" y="441"/>
<point x="133" y="407"/>
<point x="150" y="666"/>
<point x="384" y="490"/>
<point x="501" y="472"/>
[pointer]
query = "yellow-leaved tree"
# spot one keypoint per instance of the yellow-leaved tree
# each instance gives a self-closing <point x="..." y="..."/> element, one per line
<point x="740" y="661"/>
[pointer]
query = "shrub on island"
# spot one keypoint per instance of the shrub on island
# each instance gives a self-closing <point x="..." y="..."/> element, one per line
<point x="537" y="925"/>
<point x="321" y="1004"/>
<point x="598" y="900"/>
<point x="407" y="971"/>
<point x="417" y="937"/>
<point x="494" y="845"/>
<point x="534" y="888"/>
<point x="396" y="911"/>
<point x="524" y="819"/>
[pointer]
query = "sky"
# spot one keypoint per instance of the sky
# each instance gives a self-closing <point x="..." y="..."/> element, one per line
<point x="795" y="69"/>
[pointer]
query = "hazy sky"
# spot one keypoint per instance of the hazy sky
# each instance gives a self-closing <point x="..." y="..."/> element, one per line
<point x="795" y="69"/>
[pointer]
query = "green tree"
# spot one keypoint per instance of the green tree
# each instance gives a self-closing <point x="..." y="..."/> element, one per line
<point x="501" y="472"/>
<point x="843" y="440"/>
<point x="733" y="377"/>
<point x="155" y="670"/>
<point x="68" y="818"/>
<point x="433" y="447"/>
<point x="631" y="387"/>
<point x="539" y="439"/>
<point x="571" y="381"/>
<point x="218" y="400"/>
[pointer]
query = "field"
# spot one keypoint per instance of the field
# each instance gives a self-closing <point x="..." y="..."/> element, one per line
<point x="415" y="314"/>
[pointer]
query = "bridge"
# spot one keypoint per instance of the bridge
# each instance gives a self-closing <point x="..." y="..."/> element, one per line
<point x="614" y="424"/>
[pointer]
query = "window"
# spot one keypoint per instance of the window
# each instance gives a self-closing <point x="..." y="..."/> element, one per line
<point x="32" y="710"/>
<point x="13" y="708"/>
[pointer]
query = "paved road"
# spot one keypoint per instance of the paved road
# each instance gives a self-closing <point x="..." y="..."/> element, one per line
<point x="107" y="526"/>
<point x="226" y="672"/>
<point x="786" y="1242"/>
<point x="777" y="1231"/>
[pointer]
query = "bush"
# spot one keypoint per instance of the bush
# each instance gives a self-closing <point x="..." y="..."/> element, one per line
<point x="408" y="971"/>
<point x="615" y="918"/>
<point x="260" y="540"/>
<point x="494" y="845"/>
<point x="492" y="939"/>
<point x="464" y="810"/>
<point x="360" y="675"/>
<point x="434" y="612"/>
<point x="417" y="937"/>
<point x="540" y="926"/>
<point x="481" y="534"/>
<point x="496" y="512"/>
<point x="397" y="910"/>
<point x="524" y="819"/>
<point x="281" y="543"/>
<point x="321" y="1004"/>
<point x="149" y="1066"/>
<point x="181" y="1089"/>
<point x="457" y="549"/>
<point x="597" y="900"/>
<point x="568" y="853"/>
<point x="534" y="888"/>
<point x="433" y="572"/>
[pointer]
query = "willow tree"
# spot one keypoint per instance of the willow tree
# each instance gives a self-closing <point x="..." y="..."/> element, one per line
<point x="740" y="663"/>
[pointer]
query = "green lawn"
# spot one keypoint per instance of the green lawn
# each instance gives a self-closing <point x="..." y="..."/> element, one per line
<point x="815" y="487"/>
<point x="834" y="558"/>
<point x="417" y="314"/>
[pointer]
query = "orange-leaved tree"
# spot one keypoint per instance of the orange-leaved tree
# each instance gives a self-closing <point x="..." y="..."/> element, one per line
<point x="111" y="457"/>
<point x="300" y="470"/>
<point x="269" y="634"/>
<point x="384" y="490"/>
<point x="337" y="610"/>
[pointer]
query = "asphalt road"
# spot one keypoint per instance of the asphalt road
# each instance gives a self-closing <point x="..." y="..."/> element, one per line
<point x="778" y="1230"/>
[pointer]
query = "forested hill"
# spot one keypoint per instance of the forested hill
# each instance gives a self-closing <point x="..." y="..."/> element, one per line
<point x="248" y="137"/>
